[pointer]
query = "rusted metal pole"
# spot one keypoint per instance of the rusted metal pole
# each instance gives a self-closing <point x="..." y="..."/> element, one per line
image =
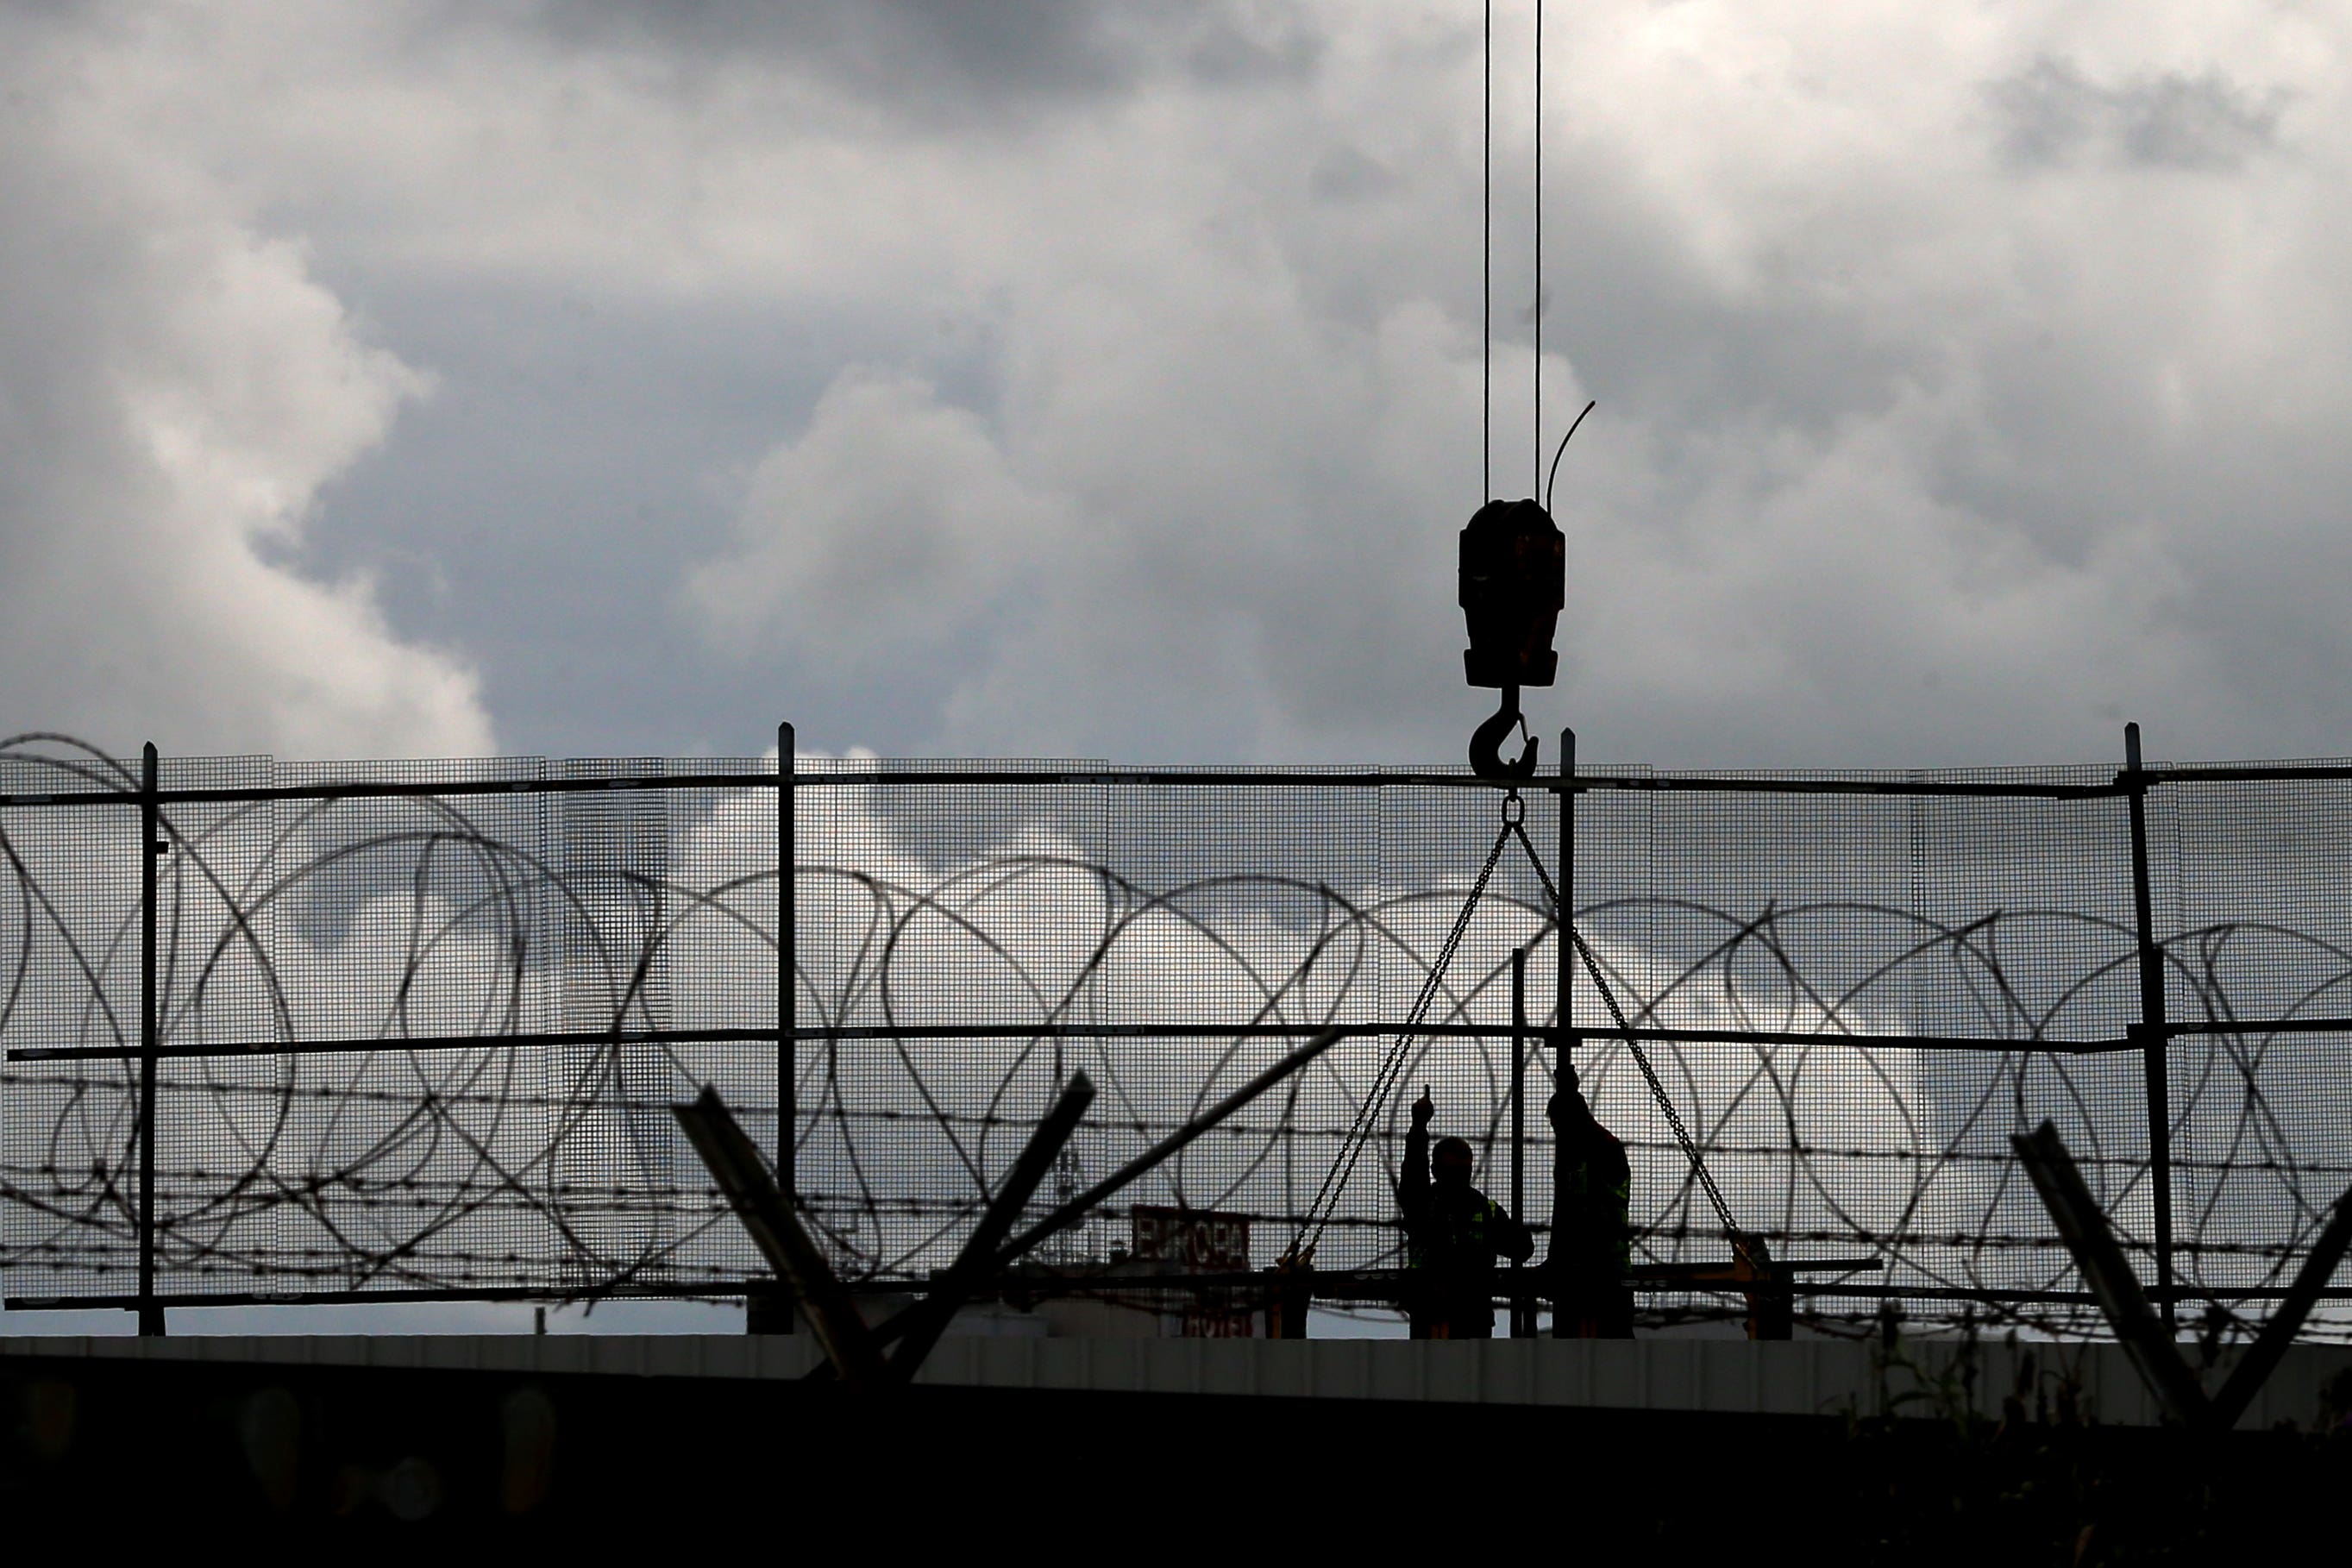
<point x="771" y="1311"/>
<point x="1567" y="880"/>
<point x="2153" y="1039"/>
<point x="1563" y="918"/>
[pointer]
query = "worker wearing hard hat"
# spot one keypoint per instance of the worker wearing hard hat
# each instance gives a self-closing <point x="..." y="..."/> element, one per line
<point x="1454" y="1233"/>
<point x="1591" y="1238"/>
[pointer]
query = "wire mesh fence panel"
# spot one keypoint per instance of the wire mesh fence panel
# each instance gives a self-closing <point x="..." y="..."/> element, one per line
<point x="421" y="1024"/>
<point x="368" y="1005"/>
<point x="1744" y="927"/>
<point x="921" y="908"/>
<point x="2026" y="935"/>
<point x="1167" y="940"/>
<point x="1749" y="914"/>
<point x="2257" y="943"/>
<point x="69" y="976"/>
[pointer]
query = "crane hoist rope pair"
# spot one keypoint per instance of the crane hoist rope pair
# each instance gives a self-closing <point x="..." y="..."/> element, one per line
<point x="1513" y="585"/>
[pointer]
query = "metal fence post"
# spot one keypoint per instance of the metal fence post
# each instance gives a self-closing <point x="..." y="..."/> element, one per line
<point x="1522" y="1317"/>
<point x="2153" y="1035"/>
<point x="771" y="1309"/>
<point x="151" y="845"/>
<point x="1566" y="955"/>
<point x="787" y="975"/>
<point x="1563" y="1016"/>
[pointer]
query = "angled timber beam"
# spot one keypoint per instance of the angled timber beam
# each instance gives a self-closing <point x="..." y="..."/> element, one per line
<point x="1078" y="1207"/>
<point x="1086" y="1203"/>
<point x="2084" y="1227"/>
<point x="2261" y="1358"/>
<point x="2161" y="1365"/>
<point x="735" y="1164"/>
<point x="925" y="1320"/>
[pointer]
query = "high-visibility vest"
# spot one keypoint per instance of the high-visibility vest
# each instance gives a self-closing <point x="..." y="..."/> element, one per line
<point x="1596" y="1214"/>
<point x="1468" y="1232"/>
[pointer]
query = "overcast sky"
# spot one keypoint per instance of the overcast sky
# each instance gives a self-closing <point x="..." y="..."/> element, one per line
<point x="1066" y="377"/>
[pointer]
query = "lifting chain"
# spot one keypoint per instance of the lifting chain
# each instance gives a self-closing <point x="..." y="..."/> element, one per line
<point x="1367" y="1116"/>
<point x="1565" y="925"/>
<point x="1359" y="1131"/>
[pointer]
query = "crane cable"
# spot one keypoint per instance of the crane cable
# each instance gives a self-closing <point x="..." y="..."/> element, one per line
<point x="1360" y="1129"/>
<point x="1562" y="917"/>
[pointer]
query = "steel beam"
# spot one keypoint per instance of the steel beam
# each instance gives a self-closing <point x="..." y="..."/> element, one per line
<point x="1083" y="1029"/>
<point x="1078" y="1207"/>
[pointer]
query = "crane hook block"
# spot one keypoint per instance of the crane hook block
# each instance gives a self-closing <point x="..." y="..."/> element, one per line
<point x="1514" y="572"/>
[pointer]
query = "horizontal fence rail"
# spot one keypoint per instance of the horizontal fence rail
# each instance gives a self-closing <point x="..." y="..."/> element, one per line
<point x="1081" y="1029"/>
<point x="409" y="1031"/>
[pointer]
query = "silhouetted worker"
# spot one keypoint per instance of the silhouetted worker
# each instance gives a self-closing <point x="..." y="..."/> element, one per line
<point x="1591" y="1236"/>
<point x="1452" y="1235"/>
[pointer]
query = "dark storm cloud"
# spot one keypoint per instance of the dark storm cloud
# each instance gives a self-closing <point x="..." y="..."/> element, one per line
<point x="945" y="62"/>
<point x="1346" y="175"/>
<point x="1106" y="380"/>
<point x="2054" y="113"/>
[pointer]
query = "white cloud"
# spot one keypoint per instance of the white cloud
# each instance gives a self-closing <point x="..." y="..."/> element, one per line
<point x="890" y="527"/>
<point x="178" y="392"/>
<point x="1907" y="450"/>
<point x="1962" y="375"/>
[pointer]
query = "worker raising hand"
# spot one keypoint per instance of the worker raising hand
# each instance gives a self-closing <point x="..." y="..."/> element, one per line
<point x="1453" y="1232"/>
<point x="1566" y="1112"/>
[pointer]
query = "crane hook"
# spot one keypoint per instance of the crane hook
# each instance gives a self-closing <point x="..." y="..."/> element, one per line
<point x="1486" y="742"/>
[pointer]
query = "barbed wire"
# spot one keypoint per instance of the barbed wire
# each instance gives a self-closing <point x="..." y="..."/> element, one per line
<point x="366" y="923"/>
